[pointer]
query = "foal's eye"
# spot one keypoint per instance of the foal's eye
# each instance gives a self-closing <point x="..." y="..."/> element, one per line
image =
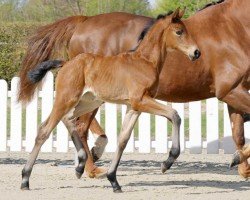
<point x="179" y="32"/>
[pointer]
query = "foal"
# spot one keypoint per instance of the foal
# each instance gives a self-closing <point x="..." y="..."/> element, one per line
<point x="127" y="78"/>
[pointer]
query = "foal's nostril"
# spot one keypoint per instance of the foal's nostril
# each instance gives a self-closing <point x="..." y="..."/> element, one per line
<point x="197" y="54"/>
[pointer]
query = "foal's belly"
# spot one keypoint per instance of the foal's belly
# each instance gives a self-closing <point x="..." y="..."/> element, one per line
<point x="92" y="99"/>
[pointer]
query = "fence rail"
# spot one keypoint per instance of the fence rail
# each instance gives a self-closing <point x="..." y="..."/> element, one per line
<point x="205" y="124"/>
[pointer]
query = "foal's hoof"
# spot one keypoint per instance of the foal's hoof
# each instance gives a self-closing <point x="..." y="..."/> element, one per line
<point x="25" y="186"/>
<point x="236" y="160"/>
<point x="117" y="190"/>
<point x="78" y="173"/>
<point x="98" y="172"/>
<point x="165" y="166"/>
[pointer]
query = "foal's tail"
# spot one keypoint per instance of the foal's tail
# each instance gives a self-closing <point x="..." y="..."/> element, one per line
<point x="37" y="74"/>
<point x="46" y="41"/>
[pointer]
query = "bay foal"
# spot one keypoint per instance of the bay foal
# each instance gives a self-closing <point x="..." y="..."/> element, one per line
<point x="127" y="78"/>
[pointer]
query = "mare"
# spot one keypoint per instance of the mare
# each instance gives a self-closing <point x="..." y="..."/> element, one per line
<point x="221" y="30"/>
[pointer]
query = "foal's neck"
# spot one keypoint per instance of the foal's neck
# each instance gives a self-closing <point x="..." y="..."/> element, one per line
<point x="151" y="47"/>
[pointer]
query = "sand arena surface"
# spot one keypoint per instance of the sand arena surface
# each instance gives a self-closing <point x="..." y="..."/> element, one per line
<point x="192" y="177"/>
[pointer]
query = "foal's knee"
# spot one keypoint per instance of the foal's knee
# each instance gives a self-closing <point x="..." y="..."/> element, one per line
<point x="176" y="118"/>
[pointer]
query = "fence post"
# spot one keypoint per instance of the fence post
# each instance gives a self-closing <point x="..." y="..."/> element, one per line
<point x="16" y="118"/>
<point x="195" y="139"/>
<point x="144" y="133"/>
<point x="212" y="126"/>
<point x="47" y="104"/>
<point x="3" y="114"/>
<point x="31" y="123"/>
<point x="161" y="133"/>
<point x="111" y="126"/>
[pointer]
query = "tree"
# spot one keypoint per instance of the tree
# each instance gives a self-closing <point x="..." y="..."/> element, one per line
<point x="163" y="6"/>
<point x="50" y="10"/>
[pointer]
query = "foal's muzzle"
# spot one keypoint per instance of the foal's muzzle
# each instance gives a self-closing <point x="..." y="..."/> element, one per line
<point x="195" y="55"/>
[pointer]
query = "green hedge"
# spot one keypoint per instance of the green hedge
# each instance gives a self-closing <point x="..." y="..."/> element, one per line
<point x="13" y="37"/>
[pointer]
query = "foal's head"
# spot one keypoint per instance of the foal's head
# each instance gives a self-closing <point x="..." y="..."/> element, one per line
<point x="175" y="36"/>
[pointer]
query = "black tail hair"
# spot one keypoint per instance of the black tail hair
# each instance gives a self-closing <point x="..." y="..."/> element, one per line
<point x="41" y="69"/>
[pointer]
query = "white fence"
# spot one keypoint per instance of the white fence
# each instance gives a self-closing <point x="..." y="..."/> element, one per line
<point x="204" y="125"/>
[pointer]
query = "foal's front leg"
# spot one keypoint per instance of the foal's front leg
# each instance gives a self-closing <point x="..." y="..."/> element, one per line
<point x="82" y="156"/>
<point x="149" y="105"/>
<point x="127" y="127"/>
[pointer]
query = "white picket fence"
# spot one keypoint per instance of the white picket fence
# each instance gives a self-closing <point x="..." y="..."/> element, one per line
<point x="15" y="139"/>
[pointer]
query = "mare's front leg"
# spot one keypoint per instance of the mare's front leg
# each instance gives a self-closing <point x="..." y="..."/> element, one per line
<point x="240" y="157"/>
<point x="243" y="152"/>
<point x="127" y="127"/>
<point x="149" y="105"/>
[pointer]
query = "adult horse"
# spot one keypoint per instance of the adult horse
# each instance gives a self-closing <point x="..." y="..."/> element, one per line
<point x="221" y="31"/>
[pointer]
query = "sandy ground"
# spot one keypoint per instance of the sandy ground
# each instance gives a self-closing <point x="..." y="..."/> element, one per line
<point x="192" y="177"/>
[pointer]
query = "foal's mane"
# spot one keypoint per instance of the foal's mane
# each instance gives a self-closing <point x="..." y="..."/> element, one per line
<point x="151" y="23"/>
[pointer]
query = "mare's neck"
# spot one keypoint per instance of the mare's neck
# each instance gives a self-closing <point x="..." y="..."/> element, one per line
<point x="239" y="9"/>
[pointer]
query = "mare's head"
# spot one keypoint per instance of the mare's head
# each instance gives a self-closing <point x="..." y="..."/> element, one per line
<point x="176" y="36"/>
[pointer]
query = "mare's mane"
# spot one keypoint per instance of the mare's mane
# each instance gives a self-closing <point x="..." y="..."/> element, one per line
<point x="152" y="22"/>
<point x="212" y="4"/>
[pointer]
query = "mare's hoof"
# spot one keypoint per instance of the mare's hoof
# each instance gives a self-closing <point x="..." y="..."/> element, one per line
<point x="236" y="160"/>
<point x="25" y="186"/>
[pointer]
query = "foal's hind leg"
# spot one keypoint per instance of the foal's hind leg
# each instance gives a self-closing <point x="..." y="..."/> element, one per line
<point x="44" y="132"/>
<point x="127" y="127"/>
<point x="150" y="105"/>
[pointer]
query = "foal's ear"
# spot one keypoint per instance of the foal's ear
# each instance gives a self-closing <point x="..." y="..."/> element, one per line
<point x="175" y="15"/>
<point x="181" y="13"/>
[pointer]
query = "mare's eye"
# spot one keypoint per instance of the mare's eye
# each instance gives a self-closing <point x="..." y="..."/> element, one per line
<point x="179" y="32"/>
